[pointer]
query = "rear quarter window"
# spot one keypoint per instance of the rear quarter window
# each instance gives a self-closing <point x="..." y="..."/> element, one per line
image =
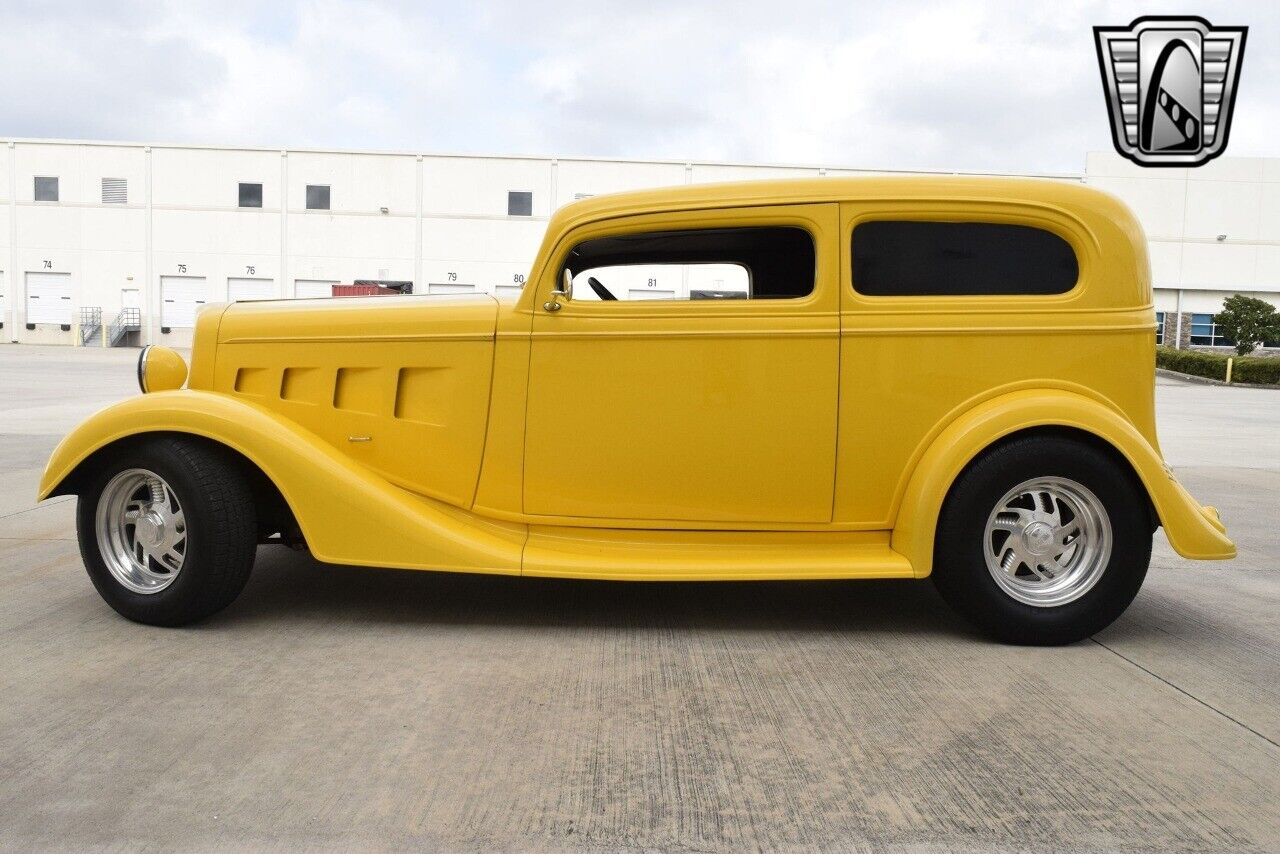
<point x="916" y="258"/>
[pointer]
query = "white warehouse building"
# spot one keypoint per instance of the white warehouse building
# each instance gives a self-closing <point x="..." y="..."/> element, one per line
<point x="1212" y="231"/>
<point x="135" y="238"/>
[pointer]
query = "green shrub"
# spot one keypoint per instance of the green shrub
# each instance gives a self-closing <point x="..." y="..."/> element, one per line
<point x="1214" y="366"/>
<point x="1264" y="371"/>
<point x="1191" y="362"/>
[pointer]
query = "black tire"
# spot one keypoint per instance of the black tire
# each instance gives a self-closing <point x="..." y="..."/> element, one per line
<point x="960" y="570"/>
<point x="220" y="526"/>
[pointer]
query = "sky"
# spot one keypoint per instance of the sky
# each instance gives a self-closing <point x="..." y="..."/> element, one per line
<point x="921" y="84"/>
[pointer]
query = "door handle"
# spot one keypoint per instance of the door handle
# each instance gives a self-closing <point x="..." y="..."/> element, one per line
<point x="554" y="303"/>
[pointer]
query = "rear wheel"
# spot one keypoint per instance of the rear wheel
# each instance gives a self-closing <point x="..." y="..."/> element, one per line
<point x="168" y="531"/>
<point x="1043" y="540"/>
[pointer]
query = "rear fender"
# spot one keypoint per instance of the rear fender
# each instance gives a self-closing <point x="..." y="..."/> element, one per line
<point x="346" y="513"/>
<point x="1193" y="531"/>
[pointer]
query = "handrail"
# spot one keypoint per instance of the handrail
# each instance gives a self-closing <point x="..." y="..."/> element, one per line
<point x="90" y="323"/>
<point x="128" y="320"/>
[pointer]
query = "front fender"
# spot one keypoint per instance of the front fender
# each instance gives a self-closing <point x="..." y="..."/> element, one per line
<point x="1194" y="531"/>
<point x="347" y="514"/>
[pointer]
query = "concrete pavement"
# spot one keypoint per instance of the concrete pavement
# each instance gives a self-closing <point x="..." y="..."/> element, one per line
<point x="336" y="707"/>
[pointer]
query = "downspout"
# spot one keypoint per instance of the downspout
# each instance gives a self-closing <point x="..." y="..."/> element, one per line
<point x="1177" y="338"/>
<point x="16" y="286"/>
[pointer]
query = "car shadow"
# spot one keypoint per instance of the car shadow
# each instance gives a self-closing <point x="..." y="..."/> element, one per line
<point x="294" y="587"/>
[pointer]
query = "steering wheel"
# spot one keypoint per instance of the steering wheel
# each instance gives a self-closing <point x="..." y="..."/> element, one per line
<point x="601" y="290"/>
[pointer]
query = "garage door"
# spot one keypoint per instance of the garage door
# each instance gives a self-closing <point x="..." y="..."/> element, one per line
<point x="180" y="296"/>
<point x="247" y="289"/>
<point x="450" y="288"/>
<point x="313" y="288"/>
<point x="49" y="298"/>
<point x="4" y="306"/>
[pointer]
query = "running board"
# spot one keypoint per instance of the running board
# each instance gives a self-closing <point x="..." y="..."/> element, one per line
<point x="631" y="555"/>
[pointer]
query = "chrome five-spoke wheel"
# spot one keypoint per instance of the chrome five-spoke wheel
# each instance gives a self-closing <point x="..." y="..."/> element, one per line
<point x="1048" y="541"/>
<point x="141" y="531"/>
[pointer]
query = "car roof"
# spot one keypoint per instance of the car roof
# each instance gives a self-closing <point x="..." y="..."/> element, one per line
<point x="1068" y="194"/>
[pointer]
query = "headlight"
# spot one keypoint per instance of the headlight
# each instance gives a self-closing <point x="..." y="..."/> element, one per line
<point x="160" y="369"/>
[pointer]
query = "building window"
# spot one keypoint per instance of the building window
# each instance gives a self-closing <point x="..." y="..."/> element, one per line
<point x="519" y="203"/>
<point x="115" y="191"/>
<point x="250" y="195"/>
<point x="1205" y="333"/>
<point x="919" y="258"/>
<point x="317" y="197"/>
<point x="46" y="189"/>
<point x="1159" y="327"/>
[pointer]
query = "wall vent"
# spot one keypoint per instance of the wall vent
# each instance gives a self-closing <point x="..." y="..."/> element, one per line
<point x="115" y="191"/>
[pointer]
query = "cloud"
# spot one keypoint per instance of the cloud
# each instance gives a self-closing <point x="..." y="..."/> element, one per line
<point x="68" y="74"/>
<point x="967" y="85"/>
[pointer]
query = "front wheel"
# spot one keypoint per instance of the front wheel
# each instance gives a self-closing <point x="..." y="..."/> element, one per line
<point x="1043" y="540"/>
<point x="168" y="531"/>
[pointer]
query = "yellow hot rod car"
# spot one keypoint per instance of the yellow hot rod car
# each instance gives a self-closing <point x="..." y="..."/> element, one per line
<point x="827" y="378"/>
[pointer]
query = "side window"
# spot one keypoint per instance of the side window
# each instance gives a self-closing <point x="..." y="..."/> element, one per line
<point x="702" y="264"/>
<point x="916" y="258"/>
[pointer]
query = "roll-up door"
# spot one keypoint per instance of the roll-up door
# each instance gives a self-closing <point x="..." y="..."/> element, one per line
<point x="180" y="297"/>
<point x="49" y="298"/>
<point x="450" y="288"/>
<point x="313" y="288"/>
<point x="251" y="289"/>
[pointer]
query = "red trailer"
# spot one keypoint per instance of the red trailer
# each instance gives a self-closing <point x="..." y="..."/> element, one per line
<point x="363" y="291"/>
<point x="372" y="288"/>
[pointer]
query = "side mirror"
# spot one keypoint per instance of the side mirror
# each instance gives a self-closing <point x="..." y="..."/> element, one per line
<point x="564" y="293"/>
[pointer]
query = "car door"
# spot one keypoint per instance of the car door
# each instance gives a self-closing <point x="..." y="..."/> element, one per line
<point x="656" y="407"/>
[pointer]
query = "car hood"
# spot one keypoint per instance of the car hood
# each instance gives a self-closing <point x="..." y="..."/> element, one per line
<point x="380" y="318"/>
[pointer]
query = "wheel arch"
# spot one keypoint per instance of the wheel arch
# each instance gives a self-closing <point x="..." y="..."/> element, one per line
<point x="1072" y="433"/>
<point x="345" y="512"/>
<point x="274" y="513"/>
<point x="1194" y="531"/>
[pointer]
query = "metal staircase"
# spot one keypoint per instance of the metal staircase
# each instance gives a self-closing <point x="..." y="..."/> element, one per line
<point x="90" y="324"/>
<point x="116" y="334"/>
<point x="127" y="321"/>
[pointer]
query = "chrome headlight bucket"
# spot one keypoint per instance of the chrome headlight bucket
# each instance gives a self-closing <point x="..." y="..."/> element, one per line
<point x="160" y="369"/>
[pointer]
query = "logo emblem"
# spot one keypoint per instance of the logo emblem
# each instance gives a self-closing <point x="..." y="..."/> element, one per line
<point x="1170" y="85"/>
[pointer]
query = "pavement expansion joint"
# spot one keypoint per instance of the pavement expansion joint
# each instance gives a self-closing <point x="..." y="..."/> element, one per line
<point x="1186" y="693"/>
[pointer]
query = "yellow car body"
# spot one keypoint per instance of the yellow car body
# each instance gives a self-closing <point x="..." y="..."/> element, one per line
<point x="815" y="437"/>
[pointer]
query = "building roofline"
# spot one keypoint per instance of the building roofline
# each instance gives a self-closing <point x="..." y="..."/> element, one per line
<point x="192" y="146"/>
